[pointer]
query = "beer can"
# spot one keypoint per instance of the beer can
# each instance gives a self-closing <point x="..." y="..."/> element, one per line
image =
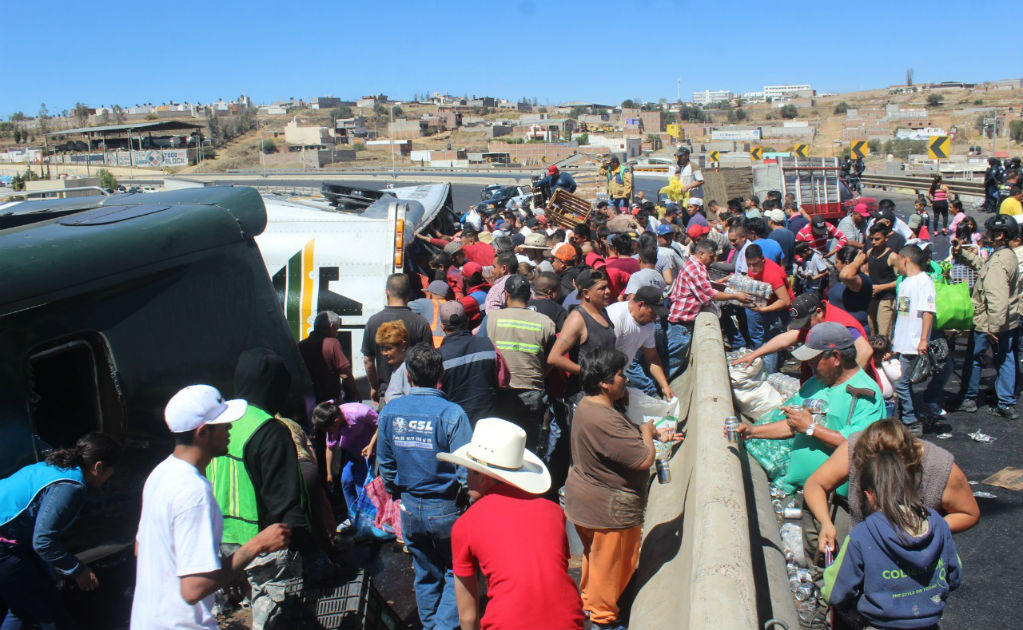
<point x="663" y="471"/>
<point x="732" y="429"/>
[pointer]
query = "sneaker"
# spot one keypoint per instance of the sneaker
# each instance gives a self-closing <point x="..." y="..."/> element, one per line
<point x="916" y="429"/>
<point x="968" y="406"/>
<point x="614" y="625"/>
<point x="344" y="526"/>
<point x="1009" y="413"/>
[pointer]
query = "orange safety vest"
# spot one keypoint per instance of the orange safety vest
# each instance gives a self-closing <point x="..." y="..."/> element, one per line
<point x="435" y="325"/>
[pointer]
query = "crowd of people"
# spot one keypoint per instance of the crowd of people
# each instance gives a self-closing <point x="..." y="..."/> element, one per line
<point x="498" y="378"/>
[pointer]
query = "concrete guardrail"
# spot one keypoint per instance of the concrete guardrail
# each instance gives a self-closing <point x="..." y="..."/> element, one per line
<point x="710" y="556"/>
<point x="922" y="183"/>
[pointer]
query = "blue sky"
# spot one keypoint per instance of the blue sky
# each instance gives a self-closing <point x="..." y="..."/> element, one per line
<point x="135" y="52"/>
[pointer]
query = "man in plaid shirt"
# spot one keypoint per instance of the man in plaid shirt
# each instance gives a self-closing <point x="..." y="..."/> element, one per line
<point x="689" y="293"/>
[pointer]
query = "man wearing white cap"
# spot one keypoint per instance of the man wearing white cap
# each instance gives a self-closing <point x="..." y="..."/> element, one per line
<point x="179" y="565"/>
<point x="515" y="537"/>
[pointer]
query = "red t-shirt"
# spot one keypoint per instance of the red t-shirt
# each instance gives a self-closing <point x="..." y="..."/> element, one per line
<point x="518" y="540"/>
<point x="774" y="275"/>
<point x="479" y="253"/>
<point x="834" y="314"/>
<point x="626" y="264"/>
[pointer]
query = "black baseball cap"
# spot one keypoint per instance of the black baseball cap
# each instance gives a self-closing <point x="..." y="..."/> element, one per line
<point x="803" y="307"/>
<point x="652" y="297"/>
<point x="818" y="224"/>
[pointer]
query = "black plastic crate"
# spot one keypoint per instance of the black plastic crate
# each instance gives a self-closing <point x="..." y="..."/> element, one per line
<point x="349" y="603"/>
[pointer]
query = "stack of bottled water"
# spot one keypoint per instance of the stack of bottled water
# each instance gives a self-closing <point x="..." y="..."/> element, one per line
<point x="759" y="291"/>
<point x="784" y="384"/>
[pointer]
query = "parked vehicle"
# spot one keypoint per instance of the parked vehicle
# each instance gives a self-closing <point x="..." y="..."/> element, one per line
<point x="815" y="182"/>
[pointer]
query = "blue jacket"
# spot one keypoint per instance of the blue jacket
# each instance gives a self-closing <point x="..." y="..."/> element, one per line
<point x="38" y="504"/>
<point x="413" y="429"/>
<point x="470" y="373"/>
<point x="564" y="180"/>
<point x="894" y="583"/>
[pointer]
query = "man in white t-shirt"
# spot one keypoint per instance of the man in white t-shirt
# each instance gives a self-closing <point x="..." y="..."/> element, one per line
<point x="647" y="274"/>
<point x="688" y="175"/>
<point x="178" y="542"/>
<point x="633" y="322"/>
<point x="914" y="318"/>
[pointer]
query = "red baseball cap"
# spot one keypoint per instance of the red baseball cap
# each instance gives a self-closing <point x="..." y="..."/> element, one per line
<point x="552" y="169"/>
<point x="863" y="210"/>
<point x="697" y="231"/>
<point x="470" y="269"/>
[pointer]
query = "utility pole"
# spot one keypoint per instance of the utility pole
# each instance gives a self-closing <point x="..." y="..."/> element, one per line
<point x="678" y="83"/>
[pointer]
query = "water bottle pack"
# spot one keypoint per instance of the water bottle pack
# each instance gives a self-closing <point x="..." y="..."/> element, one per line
<point x="761" y="292"/>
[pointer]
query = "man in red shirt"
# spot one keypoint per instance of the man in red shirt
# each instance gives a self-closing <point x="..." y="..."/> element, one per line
<point x="767" y="320"/>
<point x="817" y="233"/>
<point x="476" y="251"/>
<point x="807" y="311"/>
<point x="515" y="537"/>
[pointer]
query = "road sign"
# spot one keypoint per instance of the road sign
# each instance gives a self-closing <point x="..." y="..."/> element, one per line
<point x="675" y="131"/>
<point x="802" y="150"/>
<point x="715" y="156"/>
<point x="756" y="153"/>
<point x="859" y="149"/>
<point x="939" y="147"/>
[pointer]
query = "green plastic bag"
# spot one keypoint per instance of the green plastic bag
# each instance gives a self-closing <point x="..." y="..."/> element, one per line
<point x="953" y="307"/>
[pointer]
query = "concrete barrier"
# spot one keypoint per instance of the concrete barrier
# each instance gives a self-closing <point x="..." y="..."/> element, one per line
<point x="702" y="562"/>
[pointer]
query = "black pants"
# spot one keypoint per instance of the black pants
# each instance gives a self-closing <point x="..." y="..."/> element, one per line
<point x="940" y="208"/>
<point x="28" y="591"/>
<point x="524" y="407"/>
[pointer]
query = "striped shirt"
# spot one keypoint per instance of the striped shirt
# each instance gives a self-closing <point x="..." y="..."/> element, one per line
<point x="523" y="337"/>
<point x="690" y="291"/>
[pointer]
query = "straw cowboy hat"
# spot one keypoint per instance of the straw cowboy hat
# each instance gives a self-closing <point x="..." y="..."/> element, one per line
<point x="498" y="450"/>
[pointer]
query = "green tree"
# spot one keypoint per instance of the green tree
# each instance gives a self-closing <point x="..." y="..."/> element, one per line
<point x="44" y="118"/>
<point x="874" y="145"/>
<point x="842" y="108"/>
<point x="80" y="113"/>
<point x="119" y="114"/>
<point x="268" y="146"/>
<point x="654" y="140"/>
<point x="788" y="111"/>
<point x="934" y="100"/>
<point x="106" y="179"/>
<point x="583" y="139"/>
<point x="670" y="118"/>
<point x="343" y="111"/>
<point x="578" y="111"/>
<point x="1016" y="130"/>
<point x="628" y="103"/>
<point x="380" y="110"/>
<point x="397" y="111"/>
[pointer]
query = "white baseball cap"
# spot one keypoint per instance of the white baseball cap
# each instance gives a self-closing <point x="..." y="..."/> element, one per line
<point x="196" y="405"/>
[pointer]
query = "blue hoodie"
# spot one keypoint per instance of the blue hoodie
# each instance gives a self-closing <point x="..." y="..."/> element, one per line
<point x="891" y="582"/>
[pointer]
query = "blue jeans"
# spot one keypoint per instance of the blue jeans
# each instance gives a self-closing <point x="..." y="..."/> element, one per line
<point x="1005" y="363"/>
<point x="28" y="591"/>
<point x="904" y="389"/>
<point x="762" y="328"/>
<point x="426" y="525"/>
<point x="639" y="378"/>
<point x="353" y="477"/>
<point x="680" y="339"/>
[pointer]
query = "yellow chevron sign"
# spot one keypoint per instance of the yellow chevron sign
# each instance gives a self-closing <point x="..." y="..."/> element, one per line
<point x="756" y="153"/>
<point x="714" y="156"/>
<point x="939" y="147"/>
<point x="802" y="150"/>
<point x="859" y="149"/>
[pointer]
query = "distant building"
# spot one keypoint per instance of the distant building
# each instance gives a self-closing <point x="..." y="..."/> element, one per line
<point x="753" y="97"/>
<point x="324" y="102"/>
<point x="369" y="102"/>
<point x="306" y="136"/>
<point x="706" y="97"/>
<point x="782" y="91"/>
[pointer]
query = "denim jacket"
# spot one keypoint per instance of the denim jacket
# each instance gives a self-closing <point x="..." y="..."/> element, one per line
<point x="45" y="519"/>
<point x="413" y="429"/>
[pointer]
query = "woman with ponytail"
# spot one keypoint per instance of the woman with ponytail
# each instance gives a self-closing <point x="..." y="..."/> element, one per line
<point x="38" y="504"/>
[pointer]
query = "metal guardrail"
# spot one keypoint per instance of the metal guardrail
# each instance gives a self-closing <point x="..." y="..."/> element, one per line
<point x="922" y="183"/>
